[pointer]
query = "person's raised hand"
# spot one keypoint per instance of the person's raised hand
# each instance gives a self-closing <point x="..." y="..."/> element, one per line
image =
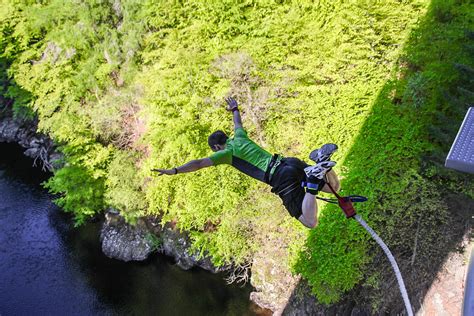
<point x="231" y="104"/>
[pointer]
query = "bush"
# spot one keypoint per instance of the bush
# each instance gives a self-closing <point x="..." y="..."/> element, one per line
<point x="124" y="191"/>
<point x="79" y="192"/>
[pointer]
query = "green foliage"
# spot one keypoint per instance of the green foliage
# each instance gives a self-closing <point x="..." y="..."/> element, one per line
<point x="123" y="184"/>
<point x="333" y="257"/>
<point x="127" y="86"/>
<point x="80" y="193"/>
<point x="415" y="92"/>
<point x="155" y="241"/>
<point x="8" y="88"/>
<point x="385" y="162"/>
<point x="63" y="57"/>
<point x="20" y="107"/>
<point x="443" y="10"/>
<point x="286" y="75"/>
<point x="80" y="183"/>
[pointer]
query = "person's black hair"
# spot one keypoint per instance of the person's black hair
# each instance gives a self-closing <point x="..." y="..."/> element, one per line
<point x="217" y="138"/>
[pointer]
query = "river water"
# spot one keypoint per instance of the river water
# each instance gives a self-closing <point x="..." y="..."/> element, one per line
<point x="48" y="267"/>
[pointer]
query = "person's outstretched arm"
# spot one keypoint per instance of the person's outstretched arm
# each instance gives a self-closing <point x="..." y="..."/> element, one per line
<point x="193" y="165"/>
<point x="234" y="108"/>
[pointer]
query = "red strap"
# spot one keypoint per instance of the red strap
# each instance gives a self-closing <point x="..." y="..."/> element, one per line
<point x="344" y="203"/>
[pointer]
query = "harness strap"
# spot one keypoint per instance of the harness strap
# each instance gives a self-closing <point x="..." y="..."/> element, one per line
<point x="344" y="202"/>
<point x="354" y="199"/>
<point x="274" y="163"/>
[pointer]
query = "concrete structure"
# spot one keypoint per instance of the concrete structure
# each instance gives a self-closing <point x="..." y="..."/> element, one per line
<point x="461" y="155"/>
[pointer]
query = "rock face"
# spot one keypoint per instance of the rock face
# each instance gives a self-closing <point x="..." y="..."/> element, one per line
<point x="177" y="245"/>
<point x="126" y="242"/>
<point x="272" y="280"/>
<point x="39" y="147"/>
<point x="123" y="241"/>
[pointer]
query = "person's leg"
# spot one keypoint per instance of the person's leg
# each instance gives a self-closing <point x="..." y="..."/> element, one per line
<point x="333" y="180"/>
<point x="309" y="207"/>
<point x="324" y="154"/>
<point x="314" y="184"/>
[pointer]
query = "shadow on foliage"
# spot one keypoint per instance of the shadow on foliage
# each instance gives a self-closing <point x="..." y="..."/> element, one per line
<point x="421" y="209"/>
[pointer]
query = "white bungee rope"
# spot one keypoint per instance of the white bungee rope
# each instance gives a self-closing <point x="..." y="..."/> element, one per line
<point x="394" y="264"/>
<point x="345" y="203"/>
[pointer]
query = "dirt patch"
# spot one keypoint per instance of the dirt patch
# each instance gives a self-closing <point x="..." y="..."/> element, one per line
<point x="445" y="296"/>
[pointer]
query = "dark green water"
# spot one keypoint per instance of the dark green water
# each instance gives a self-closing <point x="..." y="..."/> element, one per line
<point x="48" y="267"/>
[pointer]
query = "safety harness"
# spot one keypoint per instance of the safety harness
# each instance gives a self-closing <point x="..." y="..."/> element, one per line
<point x="274" y="163"/>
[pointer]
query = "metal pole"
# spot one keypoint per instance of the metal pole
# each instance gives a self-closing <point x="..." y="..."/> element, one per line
<point x="468" y="305"/>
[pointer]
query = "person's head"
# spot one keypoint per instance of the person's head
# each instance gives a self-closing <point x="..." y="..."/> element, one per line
<point x="217" y="140"/>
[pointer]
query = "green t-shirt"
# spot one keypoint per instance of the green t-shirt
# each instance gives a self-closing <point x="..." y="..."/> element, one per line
<point x="243" y="154"/>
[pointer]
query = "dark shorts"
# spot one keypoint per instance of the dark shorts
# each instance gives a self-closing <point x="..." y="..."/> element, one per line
<point x="286" y="183"/>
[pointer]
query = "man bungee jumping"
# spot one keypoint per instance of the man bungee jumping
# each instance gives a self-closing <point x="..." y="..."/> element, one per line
<point x="294" y="181"/>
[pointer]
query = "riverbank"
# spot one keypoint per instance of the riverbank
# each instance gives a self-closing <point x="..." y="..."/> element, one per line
<point x="118" y="239"/>
<point x="50" y="267"/>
